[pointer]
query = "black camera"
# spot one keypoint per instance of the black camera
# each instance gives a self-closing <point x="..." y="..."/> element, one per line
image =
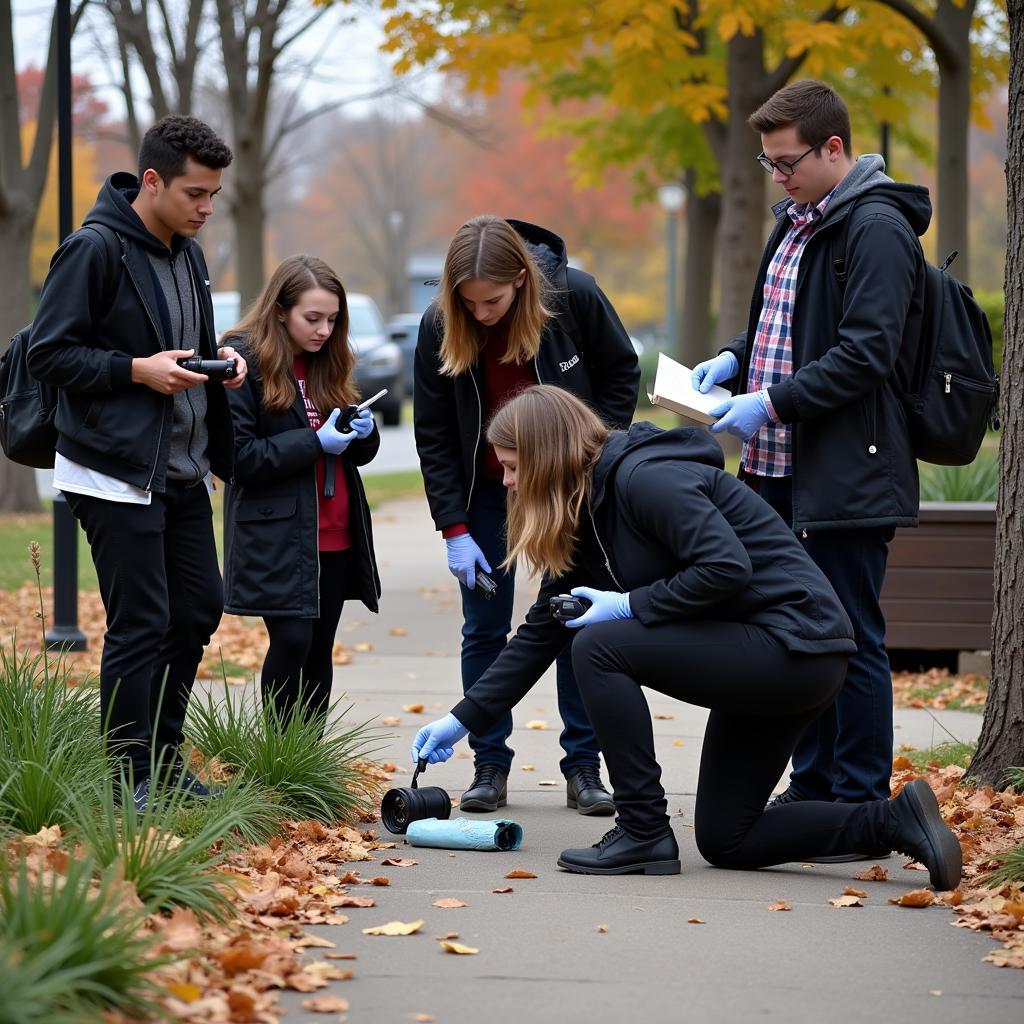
<point x="487" y="587"/>
<point x="401" y="807"/>
<point x="215" y="369"/>
<point x="565" y="607"/>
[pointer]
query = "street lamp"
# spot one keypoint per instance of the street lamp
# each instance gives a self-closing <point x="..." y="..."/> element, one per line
<point x="671" y="197"/>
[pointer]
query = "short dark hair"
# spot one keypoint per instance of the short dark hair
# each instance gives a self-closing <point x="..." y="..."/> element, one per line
<point x="173" y="139"/>
<point x="814" y="107"/>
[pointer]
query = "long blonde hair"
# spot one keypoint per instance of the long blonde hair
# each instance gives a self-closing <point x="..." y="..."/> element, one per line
<point x="490" y="248"/>
<point x="329" y="382"/>
<point x="557" y="440"/>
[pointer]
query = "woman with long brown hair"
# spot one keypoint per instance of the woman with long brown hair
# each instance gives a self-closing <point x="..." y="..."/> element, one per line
<point x="510" y="313"/>
<point x="690" y="584"/>
<point x="296" y="524"/>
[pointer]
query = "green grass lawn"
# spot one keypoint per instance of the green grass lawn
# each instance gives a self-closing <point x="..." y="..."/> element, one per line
<point x="17" y="531"/>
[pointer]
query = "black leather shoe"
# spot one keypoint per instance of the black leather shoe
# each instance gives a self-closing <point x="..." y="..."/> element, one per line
<point x="920" y="832"/>
<point x="585" y="793"/>
<point x="618" y="853"/>
<point x="487" y="792"/>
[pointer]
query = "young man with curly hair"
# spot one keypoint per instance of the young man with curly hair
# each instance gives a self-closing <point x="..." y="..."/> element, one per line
<point x="126" y="298"/>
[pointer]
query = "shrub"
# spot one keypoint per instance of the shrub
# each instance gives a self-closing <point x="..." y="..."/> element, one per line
<point x="313" y="777"/>
<point x="978" y="481"/>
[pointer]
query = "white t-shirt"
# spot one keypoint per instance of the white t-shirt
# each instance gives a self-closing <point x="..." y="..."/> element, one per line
<point x="70" y="476"/>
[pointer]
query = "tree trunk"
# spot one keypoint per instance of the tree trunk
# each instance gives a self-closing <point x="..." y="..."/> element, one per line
<point x="18" y="491"/>
<point x="250" y="222"/>
<point x="1002" y="733"/>
<point x="954" y="23"/>
<point x="702" y="216"/>
<point x="740" y="235"/>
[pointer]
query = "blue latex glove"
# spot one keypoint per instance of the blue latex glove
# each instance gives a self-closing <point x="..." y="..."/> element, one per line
<point x="742" y="416"/>
<point x="435" y="741"/>
<point x="362" y="424"/>
<point x="605" y="606"/>
<point x="714" y="371"/>
<point x="463" y="557"/>
<point x="332" y="440"/>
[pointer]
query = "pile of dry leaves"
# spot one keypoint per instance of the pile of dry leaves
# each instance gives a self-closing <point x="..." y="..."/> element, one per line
<point x="939" y="688"/>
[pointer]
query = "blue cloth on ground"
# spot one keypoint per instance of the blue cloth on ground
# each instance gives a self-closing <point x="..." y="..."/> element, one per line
<point x="465" y="834"/>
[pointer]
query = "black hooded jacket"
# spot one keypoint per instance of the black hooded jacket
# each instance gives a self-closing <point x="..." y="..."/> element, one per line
<point x="686" y="540"/>
<point x="84" y="348"/>
<point x="853" y="462"/>
<point x="595" y="361"/>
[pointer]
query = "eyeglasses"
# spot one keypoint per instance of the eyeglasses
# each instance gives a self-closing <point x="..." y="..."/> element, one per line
<point x="787" y="167"/>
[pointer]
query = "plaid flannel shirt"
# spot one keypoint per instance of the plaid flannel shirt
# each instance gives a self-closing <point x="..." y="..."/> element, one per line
<point x="770" y="451"/>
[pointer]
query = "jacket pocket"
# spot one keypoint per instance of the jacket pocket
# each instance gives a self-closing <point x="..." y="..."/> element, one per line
<point x="258" y="510"/>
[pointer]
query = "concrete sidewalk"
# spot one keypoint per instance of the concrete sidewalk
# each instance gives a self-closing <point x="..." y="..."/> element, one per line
<point x="544" y="956"/>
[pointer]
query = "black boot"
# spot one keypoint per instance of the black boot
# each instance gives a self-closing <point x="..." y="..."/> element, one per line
<point x="487" y="792"/>
<point x="618" y="853"/>
<point x="919" y="831"/>
<point x="585" y="793"/>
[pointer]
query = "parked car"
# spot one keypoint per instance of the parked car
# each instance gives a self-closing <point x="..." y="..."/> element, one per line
<point x="378" y="360"/>
<point x="403" y="330"/>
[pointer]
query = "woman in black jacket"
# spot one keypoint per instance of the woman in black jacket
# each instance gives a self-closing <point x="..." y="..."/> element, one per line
<point x="697" y="589"/>
<point x="510" y="314"/>
<point x="296" y="524"/>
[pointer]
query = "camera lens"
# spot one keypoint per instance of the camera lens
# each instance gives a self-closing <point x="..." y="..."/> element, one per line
<point x="401" y="807"/>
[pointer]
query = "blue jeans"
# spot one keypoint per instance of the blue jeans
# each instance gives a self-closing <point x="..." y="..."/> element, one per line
<point x="847" y="753"/>
<point x="485" y="630"/>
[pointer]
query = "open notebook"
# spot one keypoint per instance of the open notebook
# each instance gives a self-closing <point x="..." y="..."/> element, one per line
<point x="673" y="390"/>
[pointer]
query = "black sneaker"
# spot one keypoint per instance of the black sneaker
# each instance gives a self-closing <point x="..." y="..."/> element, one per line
<point x="585" y="793"/>
<point x="196" y="788"/>
<point x="618" y="853"/>
<point x="919" y="831"/>
<point x="141" y="795"/>
<point x="487" y="792"/>
<point x="787" y="796"/>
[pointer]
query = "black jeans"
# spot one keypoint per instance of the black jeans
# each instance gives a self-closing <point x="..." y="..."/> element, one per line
<point x="162" y="591"/>
<point x="299" y="659"/>
<point x="846" y="754"/>
<point x="761" y="698"/>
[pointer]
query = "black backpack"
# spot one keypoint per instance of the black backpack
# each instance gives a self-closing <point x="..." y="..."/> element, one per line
<point x="948" y="388"/>
<point x="28" y="408"/>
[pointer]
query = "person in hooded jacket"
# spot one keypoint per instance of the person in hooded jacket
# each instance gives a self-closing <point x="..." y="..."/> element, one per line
<point x="128" y="296"/>
<point x="825" y="439"/>
<point x="510" y="314"/>
<point x="297" y="537"/>
<point x="695" y="588"/>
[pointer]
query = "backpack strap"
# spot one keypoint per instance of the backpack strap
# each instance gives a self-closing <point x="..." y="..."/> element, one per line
<point x="565" y="310"/>
<point x="839" y="238"/>
<point x="114" y="257"/>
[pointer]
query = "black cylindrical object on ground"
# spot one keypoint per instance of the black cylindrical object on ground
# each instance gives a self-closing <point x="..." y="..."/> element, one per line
<point x="400" y="807"/>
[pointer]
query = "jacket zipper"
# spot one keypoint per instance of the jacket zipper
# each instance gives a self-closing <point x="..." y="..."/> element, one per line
<point x="607" y="561"/>
<point x="479" y="433"/>
<point x="156" y="330"/>
<point x="316" y="509"/>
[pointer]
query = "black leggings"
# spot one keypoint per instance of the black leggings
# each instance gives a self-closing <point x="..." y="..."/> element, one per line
<point x="761" y="696"/>
<point x="299" y="656"/>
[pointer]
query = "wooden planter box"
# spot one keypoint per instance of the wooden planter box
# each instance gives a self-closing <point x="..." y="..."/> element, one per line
<point x="938" y="586"/>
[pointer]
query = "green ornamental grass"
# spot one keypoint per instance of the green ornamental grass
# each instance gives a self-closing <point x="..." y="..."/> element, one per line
<point x="313" y="776"/>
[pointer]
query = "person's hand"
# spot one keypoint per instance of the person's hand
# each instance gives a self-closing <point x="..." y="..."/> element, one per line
<point x="714" y="371"/>
<point x="463" y="557"/>
<point x="362" y="423"/>
<point x="435" y="742"/>
<point x="332" y="440"/>
<point x="742" y="416"/>
<point x="227" y="352"/>
<point x="162" y="373"/>
<point x="605" y="605"/>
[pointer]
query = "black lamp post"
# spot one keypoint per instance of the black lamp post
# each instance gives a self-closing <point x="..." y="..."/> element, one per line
<point x="64" y="632"/>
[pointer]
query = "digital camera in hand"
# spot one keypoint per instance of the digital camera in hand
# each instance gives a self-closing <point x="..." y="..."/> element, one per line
<point x="487" y="587"/>
<point x="565" y="607"/>
<point x="215" y="369"/>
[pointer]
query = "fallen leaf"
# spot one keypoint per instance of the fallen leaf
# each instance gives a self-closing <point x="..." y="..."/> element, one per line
<point x="875" y="873"/>
<point x="45" y="837"/>
<point x="778" y="905"/>
<point x="413" y="709"/>
<point x="395" y="928"/>
<point x="850" y="891"/>
<point x="527" y="768"/>
<point x="326" y="1004"/>
<point x="547" y="782"/>
<point x="935" y="991"/>
<point x="340" y="956"/>
<point x="915" y="898"/>
<point x="398" y="631"/>
<point x="398" y="862"/>
<point x="313" y="941"/>
<point x="391" y="720"/>
<point x="362" y="648"/>
<point x="846" y="901"/>
<point x="185" y="991"/>
<point x="455" y="947"/>
<point x="505" y="889"/>
<point x="354" y="901"/>
<point x="519" y="873"/>
<point x="422" y="1018"/>
<point x="449" y="903"/>
<point x="678" y="743"/>
<point x="537" y="723"/>
<point x="602" y="928"/>
<point x="664" y="718"/>
<point x="447" y="936"/>
<point x="695" y="920"/>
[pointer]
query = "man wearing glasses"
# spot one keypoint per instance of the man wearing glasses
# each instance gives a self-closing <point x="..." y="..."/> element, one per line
<point x="824" y="441"/>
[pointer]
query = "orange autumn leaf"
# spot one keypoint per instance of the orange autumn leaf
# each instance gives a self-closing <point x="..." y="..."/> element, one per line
<point x="875" y="873"/>
<point x="458" y="948"/>
<point x="326" y="1004"/>
<point x="915" y="898"/>
<point x="695" y="920"/>
<point x="778" y="905"/>
<point x="502" y="890"/>
<point x="850" y="891"/>
<point x="519" y="873"/>
<point x="449" y="903"/>
<point x="413" y="709"/>
<point x="398" y="862"/>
